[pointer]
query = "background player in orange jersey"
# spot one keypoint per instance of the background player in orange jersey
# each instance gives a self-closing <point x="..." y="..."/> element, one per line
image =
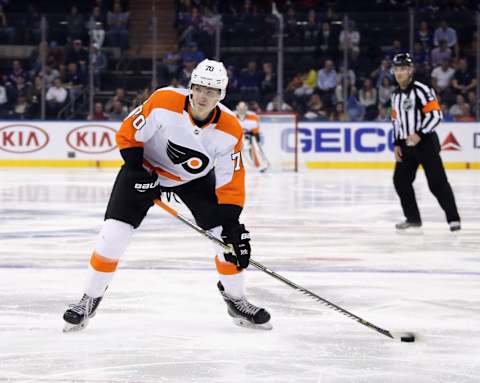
<point x="252" y="149"/>
<point x="186" y="142"/>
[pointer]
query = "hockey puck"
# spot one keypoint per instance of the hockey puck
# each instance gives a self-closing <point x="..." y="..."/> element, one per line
<point x="409" y="337"/>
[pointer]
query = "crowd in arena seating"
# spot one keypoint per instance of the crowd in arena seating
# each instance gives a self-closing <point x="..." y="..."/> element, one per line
<point x="444" y="54"/>
<point x="67" y="54"/>
<point x="315" y="39"/>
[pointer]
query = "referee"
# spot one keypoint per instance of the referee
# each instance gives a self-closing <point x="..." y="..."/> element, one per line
<point x="415" y="115"/>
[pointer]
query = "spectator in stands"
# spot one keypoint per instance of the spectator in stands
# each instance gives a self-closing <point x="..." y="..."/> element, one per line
<point x="420" y="56"/>
<point x="472" y="101"/>
<point x="56" y="57"/>
<point x="118" y="112"/>
<point x="385" y="91"/>
<point x="75" y="24"/>
<point x="442" y="77"/>
<point x="291" y="28"/>
<point x="32" y="24"/>
<point x="174" y="83"/>
<point x="368" y="99"/>
<point x="77" y="54"/>
<point x="3" y="101"/>
<point x="99" y="64"/>
<point x="466" y="115"/>
<point x="382" y="114"/>
<point x="21" y="109"/>
<point x="118" y="96"/>
<point x="190" y="26"/>
<point x="74" y="82"/>
<point x="339" y="114"/>
<point x="355" y="109"/>
<point x="447" y="117"/>
<point x="351" y="90"/>
<point x="274" y="106"/>
<point x="424" y="37"/>
<point x="350" y="40"/>
<point x="51" y="75"/>
<point x="463" y="80"/>
<point x="294" y="93"/>
<point x="327" y="42"/>
<point x="98" y="113"/>
<point x="395" y="49"/>
<point x="186" y="73"/>
<point x="97" y="29"/>
<point x="248" y="24"/>
<point x="459" y="107"/>
<point x="441" y="53"/>
<point x="384" y="70"/>
<point x="308" y="78"/>
<point x="250" y="80"/>
<point x="22" y="88"/>
<point x="326" y="82"/>
<point x="233" y="82"/>
<point x="470" y="48"/>
<point x="140" y="97"/>
<point x="444" y="32"/>
<point x="311" y="30"/>
<point x="268" y="84"/>
<point x="315" y="110"/>
<point x="56" y="98"/>
<point x="192" y="54"/>
<point x="17" y="71"/>
<point x="7" y="32"/>
<point x="102" y="4"/>
<point x="117" y="20"/>
<point x="254" y="107"/>
<point x="170" y="65"/>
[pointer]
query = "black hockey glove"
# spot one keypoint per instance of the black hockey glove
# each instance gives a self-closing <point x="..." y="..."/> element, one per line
<point x="142" y="181"/>
<point x="239" y="238"/>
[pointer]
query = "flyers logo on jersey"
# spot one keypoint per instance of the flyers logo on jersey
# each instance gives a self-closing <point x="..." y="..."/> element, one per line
<point x="192" y="161"/>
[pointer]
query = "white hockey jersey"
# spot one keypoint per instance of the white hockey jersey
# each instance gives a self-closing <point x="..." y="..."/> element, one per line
<point x="250" y="123"/>
<point x="180" y="151"/>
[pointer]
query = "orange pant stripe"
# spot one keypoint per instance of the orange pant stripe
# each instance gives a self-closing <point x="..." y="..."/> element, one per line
<point x="103" y="264"/>
<point x="226" y="268"/>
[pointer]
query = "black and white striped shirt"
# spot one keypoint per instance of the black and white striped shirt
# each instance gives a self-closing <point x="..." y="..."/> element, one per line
<point x="414" y="110"/>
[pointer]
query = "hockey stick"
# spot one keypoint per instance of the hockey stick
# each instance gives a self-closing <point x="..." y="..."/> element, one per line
<point x="403" y="337"/>
<point x="265" y="164"/>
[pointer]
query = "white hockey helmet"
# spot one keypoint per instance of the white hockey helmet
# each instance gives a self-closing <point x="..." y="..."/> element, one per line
<point x="242" y="109"/>
<point x="210" y="73"/>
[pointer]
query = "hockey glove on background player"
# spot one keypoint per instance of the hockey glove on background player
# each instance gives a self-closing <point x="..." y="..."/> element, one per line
<point x="239" y="238"/>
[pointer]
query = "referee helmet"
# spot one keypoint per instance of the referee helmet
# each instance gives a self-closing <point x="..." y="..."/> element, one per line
<point x="402" y="59"/>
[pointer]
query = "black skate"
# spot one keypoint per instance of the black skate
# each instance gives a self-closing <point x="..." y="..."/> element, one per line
<point x="454" y="225"/>
<point x="407" y="226"/>
<point x="244" y="313"/>
<point x="78" y="315"/>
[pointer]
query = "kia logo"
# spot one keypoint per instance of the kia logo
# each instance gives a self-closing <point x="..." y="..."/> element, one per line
<point x="92" y="139"/>
<point x="22" y="138"/>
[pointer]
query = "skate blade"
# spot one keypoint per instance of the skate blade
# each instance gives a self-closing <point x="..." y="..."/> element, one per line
<point x="412" y="231"/>
<point x="74" y="327"/>
<point x="245" y="323"/>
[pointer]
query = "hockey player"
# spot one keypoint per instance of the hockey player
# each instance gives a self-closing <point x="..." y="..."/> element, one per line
<point x="250" y="123"/>
<point x="186" y="142"/>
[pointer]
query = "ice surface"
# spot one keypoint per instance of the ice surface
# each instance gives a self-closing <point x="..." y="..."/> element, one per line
<point x="162" y="319"/>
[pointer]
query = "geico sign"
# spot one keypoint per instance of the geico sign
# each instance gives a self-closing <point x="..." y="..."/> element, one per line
<point x="476" y="140"/>
<point x="336" y="140"/>
<point x="21" y="138"/>
<point x="92" y="139"/>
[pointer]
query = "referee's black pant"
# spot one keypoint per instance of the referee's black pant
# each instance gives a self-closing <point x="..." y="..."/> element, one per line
<point x="427" y="154"/>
